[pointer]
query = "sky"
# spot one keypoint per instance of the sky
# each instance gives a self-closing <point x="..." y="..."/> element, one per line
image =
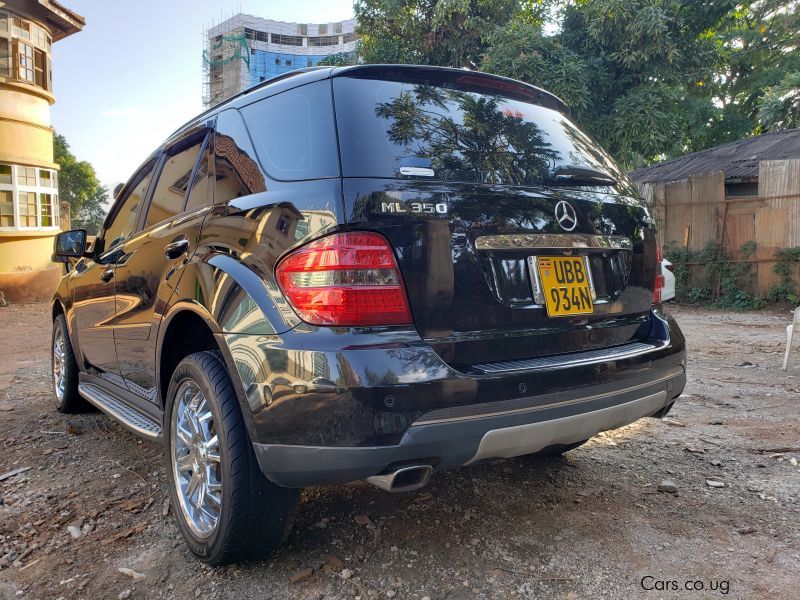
<point x="134" y="74"/>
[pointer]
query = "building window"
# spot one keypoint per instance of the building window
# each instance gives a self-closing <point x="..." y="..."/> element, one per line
<point x="39" y="36"/>
<point x="309" y="63"/>
<point x="40" y="69"/>
<point x="323" y="29"/>
<point x="3" y="21"/>
<point x="348" y="37"/>
<point x="26" y="176"/>
<point x="337" y="28"/>
<point x="277" y="61"/>
<point x="302" y="29"/>
<point x="5" y="57"/>
<point x="5" y="174"/>
<point x="49" y="209"/>
<point x="47" y="178"/>
<point x="21" y="29"/>
<point x="28" y="212"/>
<point x="6" y="208"/>
<point x="25" y="62"/>
<point x="282" y="225"/>
<point x="326" y="40"/>
<point x="261" y="36"/>
<point x="288" y="63"/>
<point x="286" y="40"/>
<point x="34" y="191"/>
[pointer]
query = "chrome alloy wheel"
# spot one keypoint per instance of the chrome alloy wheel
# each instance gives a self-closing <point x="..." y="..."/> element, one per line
<point x="196" y="465"/>
<point x="59" y="366"/>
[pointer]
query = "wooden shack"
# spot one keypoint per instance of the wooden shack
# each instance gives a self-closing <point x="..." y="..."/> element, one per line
<point x="744" y="191"/>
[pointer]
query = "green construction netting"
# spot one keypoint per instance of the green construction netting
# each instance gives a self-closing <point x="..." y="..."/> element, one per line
<point x="236" y="44"/>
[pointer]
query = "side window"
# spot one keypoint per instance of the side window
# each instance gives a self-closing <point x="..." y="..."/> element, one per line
<point x="236" y="171"/>
<point x="124" y="220"/>
<point x="173" y="181"/>
<point x="199" y="191"/>
<point x="294" y="133"/>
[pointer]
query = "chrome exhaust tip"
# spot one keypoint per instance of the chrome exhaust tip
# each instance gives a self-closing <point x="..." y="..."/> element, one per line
<point x="403" y="479"/>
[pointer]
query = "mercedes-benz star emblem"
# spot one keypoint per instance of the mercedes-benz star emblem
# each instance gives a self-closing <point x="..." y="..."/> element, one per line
<point x="565" y="215"/>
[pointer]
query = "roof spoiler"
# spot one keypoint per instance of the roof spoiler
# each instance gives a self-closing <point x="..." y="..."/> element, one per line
<point x="460" y="78"/>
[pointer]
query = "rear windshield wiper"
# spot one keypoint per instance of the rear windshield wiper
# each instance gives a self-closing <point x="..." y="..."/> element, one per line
<point x="571" y="175"/>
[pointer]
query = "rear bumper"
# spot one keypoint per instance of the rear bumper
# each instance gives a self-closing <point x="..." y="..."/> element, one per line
<point x="456" y="441"/>
<point x="332" y="406"/>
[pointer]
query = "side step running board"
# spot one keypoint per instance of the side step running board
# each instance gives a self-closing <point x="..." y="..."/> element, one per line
<point x="119" y="410"/>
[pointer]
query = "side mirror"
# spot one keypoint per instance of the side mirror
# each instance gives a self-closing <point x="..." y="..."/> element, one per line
<point x="117" y="190"/>
<point x="70" y="244"/>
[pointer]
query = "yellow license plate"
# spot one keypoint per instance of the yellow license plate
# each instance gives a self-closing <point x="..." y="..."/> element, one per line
<point x="566" y="285"/>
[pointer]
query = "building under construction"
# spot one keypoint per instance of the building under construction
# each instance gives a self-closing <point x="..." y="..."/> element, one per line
<point x="245" y="50"/>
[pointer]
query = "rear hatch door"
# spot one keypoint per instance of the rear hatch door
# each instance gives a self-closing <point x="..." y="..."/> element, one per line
<point x="515" y="234"/>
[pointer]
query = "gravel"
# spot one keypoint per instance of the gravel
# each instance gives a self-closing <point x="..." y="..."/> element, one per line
<point x="591" y="524"/>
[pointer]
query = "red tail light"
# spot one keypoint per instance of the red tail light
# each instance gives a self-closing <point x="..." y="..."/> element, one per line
<point x="659" y="282"/>
<point x="345" y="279"/>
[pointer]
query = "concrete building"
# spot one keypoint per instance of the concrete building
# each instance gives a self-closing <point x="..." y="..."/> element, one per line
<point x="29" y="207"/>
<point x="246" y="50"/>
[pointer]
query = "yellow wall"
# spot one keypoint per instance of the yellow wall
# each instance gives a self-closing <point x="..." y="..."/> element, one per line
<point x="19" y="252"/>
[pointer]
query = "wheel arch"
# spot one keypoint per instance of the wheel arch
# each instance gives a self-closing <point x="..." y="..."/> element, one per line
<point x="187" y="328"/>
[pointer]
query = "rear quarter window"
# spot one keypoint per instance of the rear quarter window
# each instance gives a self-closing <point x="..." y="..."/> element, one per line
<point x="294" y="133"/>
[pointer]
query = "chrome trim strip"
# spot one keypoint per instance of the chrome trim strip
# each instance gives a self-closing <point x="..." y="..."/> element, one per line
<point x="562" y="361"/>
<point x="116" y="409"/>
<point x="676" y="373"/>
<point x="528" y="241"/>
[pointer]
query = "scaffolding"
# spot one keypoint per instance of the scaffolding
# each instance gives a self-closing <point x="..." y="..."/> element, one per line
<point x="240" y="50"/>
<point x="226" y="59"/>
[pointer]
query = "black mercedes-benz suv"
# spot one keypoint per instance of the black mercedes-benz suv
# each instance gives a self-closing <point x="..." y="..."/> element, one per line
<point x="363" y="273"/>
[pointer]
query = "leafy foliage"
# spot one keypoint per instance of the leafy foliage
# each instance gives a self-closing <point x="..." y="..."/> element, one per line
<point x="78" y="185"/>
<point x="710" y="277"/>
<point x="786" y="289"/>
<point x="649" y="79"/>
<point x="432" y="32"/>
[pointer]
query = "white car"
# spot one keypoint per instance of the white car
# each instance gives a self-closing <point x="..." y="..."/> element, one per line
<point x="668" y="271"/>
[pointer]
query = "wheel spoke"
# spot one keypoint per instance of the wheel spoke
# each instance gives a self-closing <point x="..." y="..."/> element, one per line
<point x="185" y="463"/>
<point x="193" y="483"/>
<point x="193" y="403"/>
<point x="201" y="496"/>
<point x="191" y="422"/>
<point x="184" y="436"/>
<point x="212" y="449"/>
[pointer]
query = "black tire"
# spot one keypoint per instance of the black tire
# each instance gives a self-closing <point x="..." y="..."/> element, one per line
<point x="256" y="515"/>
<point x="70" y="401"/>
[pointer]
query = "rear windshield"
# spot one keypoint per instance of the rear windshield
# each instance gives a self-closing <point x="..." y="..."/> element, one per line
<point x="394" y="129"/>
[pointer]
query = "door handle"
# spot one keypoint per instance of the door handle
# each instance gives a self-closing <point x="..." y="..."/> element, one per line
<point x="176" y="249"/>
<point x="107" y="275"/>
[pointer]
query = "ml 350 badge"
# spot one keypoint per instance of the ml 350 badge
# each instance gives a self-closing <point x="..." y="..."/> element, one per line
<point x="565" y="284"/>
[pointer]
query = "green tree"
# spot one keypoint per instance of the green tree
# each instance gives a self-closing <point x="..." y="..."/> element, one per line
<point x="433" y="32"/>
<point x="650" y="79"/>
<point x="78" y="185"/>
<point x="92" y="212"/>
<point x="779" y="108"/>
<point x="758" y="69"/>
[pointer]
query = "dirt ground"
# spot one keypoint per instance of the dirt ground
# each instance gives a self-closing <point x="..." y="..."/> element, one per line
<point x="589" y="525"/>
